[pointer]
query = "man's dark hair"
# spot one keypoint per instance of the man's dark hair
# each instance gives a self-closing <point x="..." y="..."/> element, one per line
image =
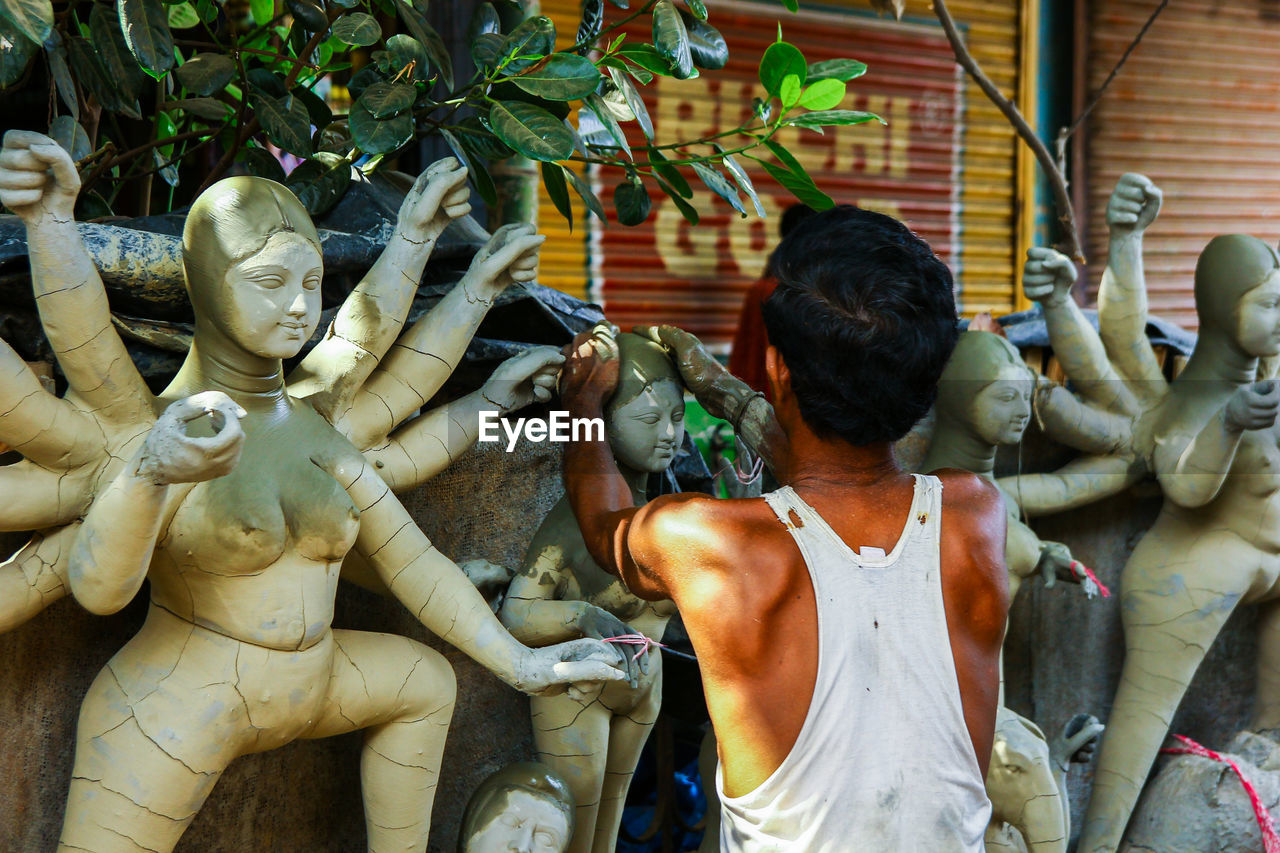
<point x="865" y="318"/>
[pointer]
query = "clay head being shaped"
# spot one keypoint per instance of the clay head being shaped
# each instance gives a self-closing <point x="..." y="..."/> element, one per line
<point x="645" y="415"/>
<point x="1238" y="293"/>
<point x="253" y="266"/>
<point x="523" y="808"/>
<point x="987" y="387"/>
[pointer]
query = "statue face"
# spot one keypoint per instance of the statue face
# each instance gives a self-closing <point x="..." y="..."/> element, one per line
<point x="528" y="824"/>
<point x="1000" y="411"/>
<point x="1258" y="318"/>
<point x="269" y="303"/>
<point x="646" y="431"/>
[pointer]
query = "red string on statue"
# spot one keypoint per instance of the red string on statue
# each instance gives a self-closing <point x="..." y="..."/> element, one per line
<point x="1077" y="568"/>
<point x="1270" y="841"/>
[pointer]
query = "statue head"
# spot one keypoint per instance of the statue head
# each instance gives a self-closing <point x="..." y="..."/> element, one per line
<point x="524" y="807"/>
<point x="1238" y="292"/>
<point x="645" y="416"/>
<point x="253" y="266"/>
<point x="987" y="387"/>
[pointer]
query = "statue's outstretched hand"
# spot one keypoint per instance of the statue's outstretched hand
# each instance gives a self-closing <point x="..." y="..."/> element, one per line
<point x="596" y="623"/>
<point x="1134" y="204"/>
<point x="171" y="455"/>
<point x="439" y="195"/>
<point x="1048" y="276"/>
<point x="549" y="670"/>
<point x="511" y="255"/>
<point x="1076" y="743"/>
<point x="529" y="377"/>
<point x="37" y="178"/>
<point x="1253" y="406"/>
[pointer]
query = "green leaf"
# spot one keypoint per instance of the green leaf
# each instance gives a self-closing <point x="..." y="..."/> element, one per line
<point x="33" y="18"/>
<point x="480" y="177"/>
<point x="263" y="11"/>
<point x="794" y="178"/>
<point x="669" y="173"/>
<point x="597" y="107"/>
<point x="632" y="202"/>
<point x="557" y="190"/>
<point x="88" y="68"/>
<point x="527" y="44"/>
<point x="486" y="51"/>
<point x="420" y="29"/>
<point x="385" y="99"/>
<point x="320" y="182"/>
<point x="719" y="185"/>
<point x="68" y="133"/>
<point x="561" y="77"/>
<point x="792" y="5"/>
<point x="706" y="45"/>
<point x="206" y="73"/>
<point x="789" y="91"/>
<point x="183" y="16"/>
<point x="270" y="82"/>
<point x="379" y="136"/>
<point x="836" y="69"/>
<point x="120" y="65"/>
<point x="590" y="24"/>
<point x="62" y="79"/>
<point x="530" y="130"/>
<point x="780" y="61"/>
<point x="584" y="191"/>
<point x="317" y="110"/>
<point x="743" y="180"/>
<point x="285" y="122"/>
<point x="146" y="32"/>
<point x="634" y="101"/>
<point x="687" y="210"/>
<point x="358" y="28"/>
<point x="823" y="95"/>
<point x="484" y="20"/>
<point x="698" y="8"/>
<point x="672" y="39"/>
<point x="647" y="57"/>
<point x="309" y="13"/>
<point x="405" y="49"/>
<point x="507" y="90"/>
<point x="210" y="109"/>
<point x="643" y="75"/>
<point x="16" y="53"/>
<point x="167" y="171"/>
<point x="262" y="163"/>
<point x="829" y="118"/>
<point x="481" y="140"/>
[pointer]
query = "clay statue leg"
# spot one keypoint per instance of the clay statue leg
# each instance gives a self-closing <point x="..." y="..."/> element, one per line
<point x="1266" y="709"/>
<point x="627" y="735"/>
<point x="571" y="736"/>
<point x="1171" y="614"/>
<point x="402" y="694"/>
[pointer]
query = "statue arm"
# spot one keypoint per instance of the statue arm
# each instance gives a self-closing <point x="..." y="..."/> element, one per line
<point x="1191" y="468"/>
<point x="34" y="577"/>
<point x="427" y="354"/>
<point x="531" y="612"/>
<point x="374" y="312"/>
<point x="1078" y="483"/>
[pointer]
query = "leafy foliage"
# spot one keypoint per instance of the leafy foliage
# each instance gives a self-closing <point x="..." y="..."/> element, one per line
<point x="139" y="85"/>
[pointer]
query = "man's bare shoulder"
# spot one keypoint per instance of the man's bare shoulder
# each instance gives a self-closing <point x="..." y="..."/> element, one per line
<point x="692" y="524"/>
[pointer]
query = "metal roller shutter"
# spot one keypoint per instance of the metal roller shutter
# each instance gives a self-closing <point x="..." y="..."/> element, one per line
<point x="1199" y="126"/>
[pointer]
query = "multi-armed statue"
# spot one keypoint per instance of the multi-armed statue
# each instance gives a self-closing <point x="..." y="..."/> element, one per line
<point x="239" y="496"/>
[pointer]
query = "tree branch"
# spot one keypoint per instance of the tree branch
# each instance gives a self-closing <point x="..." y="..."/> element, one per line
<point x="1070" y="243"/>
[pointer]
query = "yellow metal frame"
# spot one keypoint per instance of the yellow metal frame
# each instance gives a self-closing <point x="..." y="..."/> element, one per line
<point x="1026" y="166"/>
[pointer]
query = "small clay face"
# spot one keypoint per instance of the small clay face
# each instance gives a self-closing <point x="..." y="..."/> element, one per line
<point x="270" y="301"/>
<point x="528" y="824"/>
<point x="999" y="412"/>
<point x="646" y="431"/>
<point x="1258" y="318"/>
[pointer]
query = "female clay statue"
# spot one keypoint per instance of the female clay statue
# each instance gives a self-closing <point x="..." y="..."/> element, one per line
<point x="593" y="739"/>
<point x="521" y="808"/>
<point x="1216" y="542"/>
<point x="239" y="503"/>
<point x="984" y="401"/>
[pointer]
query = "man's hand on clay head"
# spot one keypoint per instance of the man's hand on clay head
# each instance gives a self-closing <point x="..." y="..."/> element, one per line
<point x="590" y="372"/>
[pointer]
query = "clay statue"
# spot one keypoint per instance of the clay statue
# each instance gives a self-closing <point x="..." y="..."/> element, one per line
<point x="1214" y="545"/>
<point x="522" y="808"/>
<point x="238" y="499"/>
<point x="593" y="738"/>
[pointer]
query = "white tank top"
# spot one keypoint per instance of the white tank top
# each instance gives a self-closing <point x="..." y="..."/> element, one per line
<point x="884" y="762"/>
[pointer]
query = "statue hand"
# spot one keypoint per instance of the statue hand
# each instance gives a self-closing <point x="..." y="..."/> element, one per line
<point x="547" y="671"/>
<point x="38" y="180"/>
<point x="1134" y="204"/>
<point x="523" y="379"/>
<point x="170" y="455"/>
<point x="698" y="368"/>
<point x="591" y="371"/>
<point x="439" y="195"/>
<point x="596" y="623"/>
<point x="1055" y="563"/>
<point x="1048" y="276"/>
<point x="1077" y="741"/>
<point x="511" y="255"/>
<point x="1253" y="406"/>
<point x="489" y="578"/>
